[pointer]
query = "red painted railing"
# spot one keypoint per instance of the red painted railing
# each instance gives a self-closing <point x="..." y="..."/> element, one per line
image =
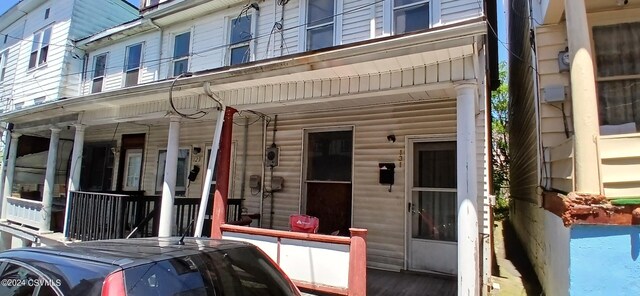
<point x="357" y="282"/>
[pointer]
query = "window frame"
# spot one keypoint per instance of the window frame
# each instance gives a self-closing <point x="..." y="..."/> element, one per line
<point x="602" y="20"/>
<point x="417" y="3"/>
<point x="160" y="176"/>
<point x="250" y="42"/>
<point x="187" y="57"/>
<point x="37" y="47"/>
<point x="4" y="55"/>
<point x="126" y="64"/>
<point x="94" y="78"/>
<point x="129" y="154"/>
<point x="338" y="6"/>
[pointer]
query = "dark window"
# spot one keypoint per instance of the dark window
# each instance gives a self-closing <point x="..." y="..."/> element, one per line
<point x="240" y="36"/>
<point x="40" y="48"/>
<point x="132" y="67"/>
<point x="617" y="51"/>
<point x="99" y="68"/>
<point x="46" y="13"/>
<point x="436" y="165"/>
<point x="182" y="170"/>
<point x="97" y="167"/>
<point x="181" y="46"/>
<point x="320" y="23"/>
<point x="330" y="156"/>
<point x="410" y="15"/>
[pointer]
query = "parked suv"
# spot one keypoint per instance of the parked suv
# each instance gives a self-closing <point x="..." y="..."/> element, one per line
<point x="144" y="266"/>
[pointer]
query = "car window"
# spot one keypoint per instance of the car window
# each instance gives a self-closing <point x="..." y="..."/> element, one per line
<point x="18" y="280"/>
<point x="240" y="271"/>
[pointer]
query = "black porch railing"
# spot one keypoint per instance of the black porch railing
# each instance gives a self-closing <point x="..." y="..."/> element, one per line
<point x="97" y="215"/>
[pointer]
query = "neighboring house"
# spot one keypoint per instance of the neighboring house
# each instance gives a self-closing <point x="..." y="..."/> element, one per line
<point x="376" y="113"/>
<point x="574" y="131"/>
<point x="39" y="64"/>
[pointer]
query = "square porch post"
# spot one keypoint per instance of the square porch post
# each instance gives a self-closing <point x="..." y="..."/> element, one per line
<point x="467" y="190"/>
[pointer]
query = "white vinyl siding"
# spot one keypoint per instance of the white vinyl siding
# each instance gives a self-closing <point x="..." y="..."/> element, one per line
<point x="452" y="11"/>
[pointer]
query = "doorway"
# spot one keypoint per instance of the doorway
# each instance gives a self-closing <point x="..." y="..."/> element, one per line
<point x="327" y="178"/>
<point x="432" y="206"/>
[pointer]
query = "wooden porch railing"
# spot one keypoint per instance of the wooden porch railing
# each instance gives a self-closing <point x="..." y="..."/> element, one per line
<point x="98" y="215"/>
<point x="94" y="215"/>
<point x="24" y="211"/>
<point x="316" y="262"/>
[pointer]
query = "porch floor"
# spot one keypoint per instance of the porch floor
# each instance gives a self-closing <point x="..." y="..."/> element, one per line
<point x="381" y="282"/>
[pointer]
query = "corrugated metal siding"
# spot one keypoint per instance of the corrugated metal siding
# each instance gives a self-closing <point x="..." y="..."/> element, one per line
<point x="374" y="207"/>
<point x="522" y="115"/>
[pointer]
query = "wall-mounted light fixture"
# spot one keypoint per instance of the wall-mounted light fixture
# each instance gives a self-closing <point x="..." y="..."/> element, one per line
<point x="391" y="138"/>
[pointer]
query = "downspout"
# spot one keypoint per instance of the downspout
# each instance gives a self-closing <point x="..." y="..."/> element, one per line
<point x="271" y="202"/>
<point x="244" y="158"/>
<point x="264" y="155"/>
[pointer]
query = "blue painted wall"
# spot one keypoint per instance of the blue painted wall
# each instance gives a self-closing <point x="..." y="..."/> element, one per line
<point x="604" y="260"/>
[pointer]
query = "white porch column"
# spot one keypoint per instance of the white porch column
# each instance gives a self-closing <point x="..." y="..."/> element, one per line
<point x="169" y="185"/>
<point x="583" y="99"/>
<point x="11" y="168"/>
<point x="75" y="169"/>
<point x="467" y="187"/>
<point x="6" y="139"/>
<point x="50" y="179"/>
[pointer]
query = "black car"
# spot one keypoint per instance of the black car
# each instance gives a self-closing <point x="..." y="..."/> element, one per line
<point x="144" y="266"/>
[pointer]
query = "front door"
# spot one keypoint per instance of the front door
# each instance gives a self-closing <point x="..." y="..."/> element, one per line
<point x="328" y="166"/>
<point x="432" y="206"/>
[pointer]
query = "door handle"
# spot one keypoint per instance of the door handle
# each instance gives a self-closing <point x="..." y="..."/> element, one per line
<point x="409" y="207"/>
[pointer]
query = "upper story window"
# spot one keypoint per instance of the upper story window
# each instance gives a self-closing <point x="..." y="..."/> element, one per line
<point x="133" y="61"/>
<point x="181" y="45"/>
<point x="239" y="39"/>
<point x="99" y="69"/>
<point x="320" y="23"/>
<point x="3" y="63"/>
<point x="46" y="13"/>
<point x="40" y="48"/>
<point x="617" y="51"/>
<point x="410" y="15"/>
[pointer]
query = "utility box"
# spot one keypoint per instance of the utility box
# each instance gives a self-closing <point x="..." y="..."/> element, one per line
<point x="554" y="94"/>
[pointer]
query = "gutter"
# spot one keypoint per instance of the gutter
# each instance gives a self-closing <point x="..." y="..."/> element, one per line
<point x="352" y="53"/>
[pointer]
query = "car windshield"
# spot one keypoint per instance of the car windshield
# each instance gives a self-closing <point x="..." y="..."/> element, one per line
<point x="238" y="271"/>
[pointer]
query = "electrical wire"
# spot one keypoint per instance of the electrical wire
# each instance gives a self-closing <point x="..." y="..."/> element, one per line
<point x="196" y="115"/>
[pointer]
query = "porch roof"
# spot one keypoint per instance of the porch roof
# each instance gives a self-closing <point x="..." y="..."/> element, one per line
<point x="385" y="55"/>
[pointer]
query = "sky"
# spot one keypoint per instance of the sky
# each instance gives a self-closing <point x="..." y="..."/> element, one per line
<point x="502" y="32"/>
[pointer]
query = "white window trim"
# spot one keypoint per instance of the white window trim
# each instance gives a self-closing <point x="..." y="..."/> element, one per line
<point x="126" y="61"/>
<point x="128" y="154"/>
<point x="93" y="71"/>
<point x="172" y="46"/>
<point x="187" y="167"/>
<point x="252" y="42"/>
<point x="337" y="24"/>
<point x="38" y="65"/>
<point x="4" y="55"/>
<point x="388" y="9"/>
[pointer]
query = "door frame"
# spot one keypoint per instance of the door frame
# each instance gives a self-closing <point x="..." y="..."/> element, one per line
<point x="302" y="200"/>
<point x="408" y="181"/>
